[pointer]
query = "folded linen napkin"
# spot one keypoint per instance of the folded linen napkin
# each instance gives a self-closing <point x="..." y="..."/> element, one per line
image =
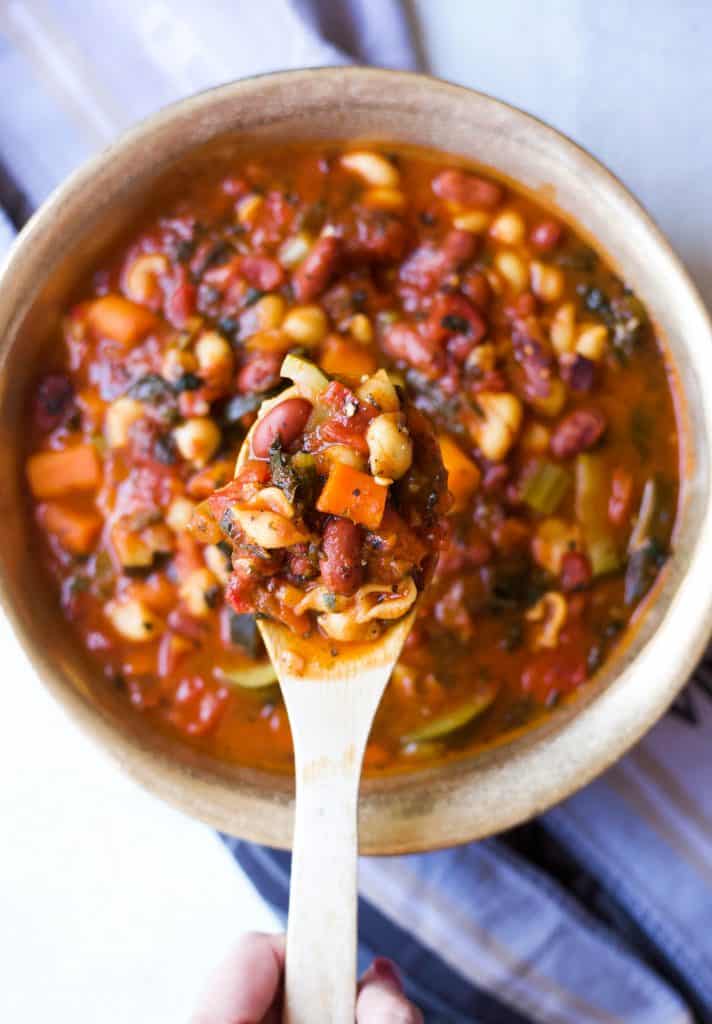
<point x="481" y="932"/>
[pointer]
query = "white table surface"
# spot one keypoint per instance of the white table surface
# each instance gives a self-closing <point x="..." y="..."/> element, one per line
<point x="113" y="907"/>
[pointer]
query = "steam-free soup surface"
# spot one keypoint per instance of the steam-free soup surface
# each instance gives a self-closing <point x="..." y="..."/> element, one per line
<point x="537" y="365"/>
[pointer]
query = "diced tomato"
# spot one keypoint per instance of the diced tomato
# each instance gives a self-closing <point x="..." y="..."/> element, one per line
<point x="197" y="706"/>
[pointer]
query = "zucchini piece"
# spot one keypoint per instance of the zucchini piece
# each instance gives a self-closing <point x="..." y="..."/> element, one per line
<point x="249" y="677"/>
<point x="307" y="377"/>
<point x="592" y="487"/>
<point x="453" y="721"/>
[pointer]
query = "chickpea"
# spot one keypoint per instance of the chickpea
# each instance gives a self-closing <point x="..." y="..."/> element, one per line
<point x="133" y="620"/>
<point x="213" y="352"/>
<point x="390" y="446"/>
<point x="553" y="539"/>
<point x="496" y="431"/>
<point x="176" y="363"/>
<point x="482" y="358"/>
<point x="197" y="439"/>
<point x="306" y="325"/>
<point x="547" y="282"/>
<point x="391" y="199"/>
<point x="474" y="221"/>
<point x="553" y="403"/>
<point x="294" y="249"/>
<point x="535" y="438"/>
<point x="563" y="327"/>
<point x="508" y="227"/>
<point x="196" y="592"/>
<point x="513" y="269"/>
<point x="120" y="415"/>
<point x="373" y="169"/>
<point x="340" y="453"/>
<point x="269" y="312"/>
<point x="361" y="329"/>
<point x="179" y="513"/>
<point x="248" y="208"/>
<point x="592" y="341"/>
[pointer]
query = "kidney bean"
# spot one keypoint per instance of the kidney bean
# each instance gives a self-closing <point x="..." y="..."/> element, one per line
<point x="577" y="432"/>
<point x="341" y="556"/>
<point x="54" y="401"/>
<point x="619" y="502"/>
<point x="477" y="288"/>
<point x="578" y="372"/>
<point x="523" y="306"/>
<point x="546" y="235"/>
<point x="262" y="273"/>
<point x="533" y="353"/>
<point x="467" y="189"/>
<point x="511" y="536"/>
<point x="378" y="238"/>
<point x="404" y="342"/>
<point x="575" y="571"/>
<point x="181" y="302"/>
<point x="317" y="268"/>
<point x="454" y="314"/>
<point x="458" y="247"/>
<point x="285" y="420"/>
<point x="260" y="372"/>
<point x="423" y="268"/>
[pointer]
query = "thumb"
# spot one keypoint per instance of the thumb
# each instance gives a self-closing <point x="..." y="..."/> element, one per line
<point x="381" y="997"/>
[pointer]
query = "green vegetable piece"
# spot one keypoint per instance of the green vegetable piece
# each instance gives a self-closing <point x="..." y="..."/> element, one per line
<point x="647" y="512"/>
<point x="546" y="488"/>
<point x="644" y="564"/>
<point x="244" y="632"/>
<point x="592" y="489"/>
<point x="453" y="721"/>
<point x="249" y="677"/>
<point x="283" y="474"/>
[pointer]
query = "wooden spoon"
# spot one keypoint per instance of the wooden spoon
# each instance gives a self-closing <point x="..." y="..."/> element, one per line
<point x="331" y="708"/>
<point x="331" y="701"/>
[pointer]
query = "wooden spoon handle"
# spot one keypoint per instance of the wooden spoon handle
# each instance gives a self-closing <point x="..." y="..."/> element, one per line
<point x="320" y="982"/>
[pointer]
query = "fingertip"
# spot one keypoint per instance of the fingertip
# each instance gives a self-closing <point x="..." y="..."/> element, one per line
<point x="246" y="984"/>
<point x="381" y="996"/>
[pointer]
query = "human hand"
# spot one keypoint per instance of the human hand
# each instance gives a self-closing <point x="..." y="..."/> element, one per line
<point x="246" y="989"/>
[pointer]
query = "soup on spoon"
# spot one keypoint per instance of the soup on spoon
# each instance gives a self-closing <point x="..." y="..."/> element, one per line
<point x="333" y="522"/>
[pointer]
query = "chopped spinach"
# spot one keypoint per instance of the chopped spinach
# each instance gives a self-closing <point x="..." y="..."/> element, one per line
<point x="283" y="473"/>
<point x="253" y="295"/>
<point x="244" y="632"/>
<point x="152" y="389"/>
<point x="644" y="564"/>
<point x="456" y="324"/>
<point x="188" y="382"/>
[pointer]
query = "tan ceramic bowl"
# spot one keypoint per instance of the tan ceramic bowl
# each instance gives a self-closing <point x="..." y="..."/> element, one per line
<point x="479" y="795"/>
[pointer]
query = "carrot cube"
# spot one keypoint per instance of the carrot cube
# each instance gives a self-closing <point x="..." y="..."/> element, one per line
<point x="75" y="531"/>
<point x="349" y="492"/>
<point x="54" y="474"/>
<point x="463" y="476"/>
<point x="113" y="316"/>
<point x="341" y="358"/>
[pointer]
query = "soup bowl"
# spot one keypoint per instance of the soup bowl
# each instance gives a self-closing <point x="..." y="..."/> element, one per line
<point x="480" y="794"/>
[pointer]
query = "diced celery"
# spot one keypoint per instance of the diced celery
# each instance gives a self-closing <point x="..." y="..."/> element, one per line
<point x="546" y="488"/>
<point x="308" y="378"/>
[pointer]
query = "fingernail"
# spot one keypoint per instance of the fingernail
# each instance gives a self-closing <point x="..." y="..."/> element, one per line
<point x="386" y="970"/>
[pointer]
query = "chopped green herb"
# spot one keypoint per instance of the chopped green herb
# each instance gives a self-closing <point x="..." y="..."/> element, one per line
<point x="253" y="295"/>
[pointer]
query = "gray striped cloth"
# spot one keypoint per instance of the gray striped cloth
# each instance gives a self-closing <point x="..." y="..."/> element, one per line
<point x="601" y="912"/>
